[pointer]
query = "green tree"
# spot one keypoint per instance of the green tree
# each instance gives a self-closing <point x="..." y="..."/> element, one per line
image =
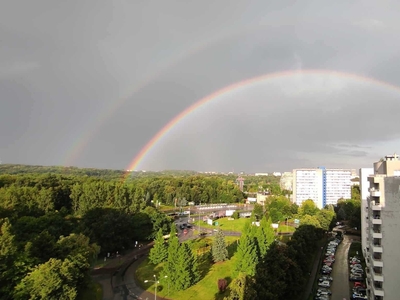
<point x="186" y="268"/>
<point x="170" y="267"/>
<point x="355" y="192"/>
<point x="219" y="250"/>
<point x="308" y="207"/>
<point x="55" y="279"/>
<point x="310" y="220"/>
<point x="247" y="256"/>
<point x="265" y="236"/>
<point x="159" y="251"/>
<point x="241" y="288"/>
<point x="258" y="211"/>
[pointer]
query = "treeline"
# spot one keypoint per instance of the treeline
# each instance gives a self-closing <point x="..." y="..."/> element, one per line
<point x="281" y="272"/>
<point x="79" y="194"/>
<point x="269" y="269"/>
<point x="53" y="226"/>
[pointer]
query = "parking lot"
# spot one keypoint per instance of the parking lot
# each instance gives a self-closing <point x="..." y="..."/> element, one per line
<point x="340" y="285"/>
<point x="341" y="278"/>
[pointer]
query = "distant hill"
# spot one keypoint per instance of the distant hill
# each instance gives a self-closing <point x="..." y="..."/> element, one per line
<point x="15" y="169"/>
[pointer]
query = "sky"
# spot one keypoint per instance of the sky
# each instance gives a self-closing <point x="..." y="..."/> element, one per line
<point x="89" y="83"/>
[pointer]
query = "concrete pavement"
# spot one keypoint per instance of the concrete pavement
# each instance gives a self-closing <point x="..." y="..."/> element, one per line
<point x="340" y="286"/>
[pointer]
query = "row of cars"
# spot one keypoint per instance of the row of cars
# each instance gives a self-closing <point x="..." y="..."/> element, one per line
<point x="324" y="282"/>
<point x="357" y="276"/>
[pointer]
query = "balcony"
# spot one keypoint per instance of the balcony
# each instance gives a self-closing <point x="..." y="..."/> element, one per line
<point x="374" y="192"/>
<point x="377" y="262"/>
<point x="377" y="276"/>
<point x="376" y="234"/>
<point x="377" y="221"/>
<point x="376" y="206"/>
<point x="377" y="249"/>
<point x="378" y="291"/>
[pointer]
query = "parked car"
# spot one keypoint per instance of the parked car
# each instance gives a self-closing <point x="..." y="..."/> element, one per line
<point x="356" y="277"/>
<point x="325" y="278"/>
<point x="359" y="284"/>
<point x="324" y="290"/>
<point x="325" y="283"/>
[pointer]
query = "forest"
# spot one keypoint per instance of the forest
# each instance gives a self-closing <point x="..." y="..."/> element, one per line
<point x="55" y="224"/>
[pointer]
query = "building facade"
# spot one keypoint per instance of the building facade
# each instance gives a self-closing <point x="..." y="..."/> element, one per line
<point x="381" y="226"/>
<point x="323" y="186"/>
<point x="286" y="181"/>
<point x="364" y="194"/>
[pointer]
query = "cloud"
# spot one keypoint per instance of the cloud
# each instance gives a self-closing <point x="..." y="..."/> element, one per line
<point x="17" y="68"/>
<point x="370" y="24"/>
<point x="353" y="146"/>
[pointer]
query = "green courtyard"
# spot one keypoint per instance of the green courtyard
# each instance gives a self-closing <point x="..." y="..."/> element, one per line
<point x="209" y="273"/>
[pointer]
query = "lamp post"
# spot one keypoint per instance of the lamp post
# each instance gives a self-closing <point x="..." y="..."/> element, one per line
<point x="155" y="287"/>
<point x="199" y="218"/>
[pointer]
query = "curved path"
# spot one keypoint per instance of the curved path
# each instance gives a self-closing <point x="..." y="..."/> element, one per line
<point x="118" y="280"/>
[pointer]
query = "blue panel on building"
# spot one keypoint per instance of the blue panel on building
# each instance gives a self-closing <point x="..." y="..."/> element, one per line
<point x="323" y="185"/>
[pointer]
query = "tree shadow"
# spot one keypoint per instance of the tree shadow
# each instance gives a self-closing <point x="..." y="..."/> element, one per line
<point x="204" y="262"/>
<point x="232" y="249"/>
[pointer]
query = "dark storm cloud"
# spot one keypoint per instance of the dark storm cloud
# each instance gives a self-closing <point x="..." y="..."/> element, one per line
<point x="65" y="66"/>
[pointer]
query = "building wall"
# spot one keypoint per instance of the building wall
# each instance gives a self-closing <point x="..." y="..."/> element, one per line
<point x="338" y="185"/>
<point x="307" y="184"/>
<point x="286" y="181"/>
<point x="390" y="236"/>
<point x="324" y="186"/>
<point x="381" y="227"/>
<point x="364" y="193"/>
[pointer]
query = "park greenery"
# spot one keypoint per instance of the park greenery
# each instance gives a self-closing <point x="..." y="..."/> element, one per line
<point x="55" y="222"/>
<point x="219" y="250"/>
<point x="260" y="266"/>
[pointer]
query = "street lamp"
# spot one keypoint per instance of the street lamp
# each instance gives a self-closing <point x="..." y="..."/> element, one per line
<point x="155" y="287"/>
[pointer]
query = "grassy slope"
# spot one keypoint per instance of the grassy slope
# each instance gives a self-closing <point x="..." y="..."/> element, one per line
<point x="210" y="273"/>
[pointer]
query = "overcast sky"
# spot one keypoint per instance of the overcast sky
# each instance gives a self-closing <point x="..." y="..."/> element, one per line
<point x="88" y="83"/>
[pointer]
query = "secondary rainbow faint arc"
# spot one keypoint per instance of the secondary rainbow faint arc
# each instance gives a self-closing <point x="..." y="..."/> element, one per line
<point x="171" y="124"/>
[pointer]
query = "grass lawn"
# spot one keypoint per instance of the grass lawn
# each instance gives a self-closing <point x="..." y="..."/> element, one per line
<point x="94" y="291"/>
<point x="354" y="248"/>
<point x="237" y="225"/>
<point x="284" y="228"/>
<point x="207" y="287"/>
<point x="225" y="224"/>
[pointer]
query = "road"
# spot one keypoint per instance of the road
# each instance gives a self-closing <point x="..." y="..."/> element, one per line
<point x="340" y="286"/>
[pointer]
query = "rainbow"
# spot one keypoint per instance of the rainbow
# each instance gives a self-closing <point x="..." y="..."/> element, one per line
<point x="238" y="85"/>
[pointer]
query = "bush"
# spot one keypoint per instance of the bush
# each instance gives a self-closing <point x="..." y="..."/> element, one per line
<point x="236" y="215"/>
<point x="222" y="284"/>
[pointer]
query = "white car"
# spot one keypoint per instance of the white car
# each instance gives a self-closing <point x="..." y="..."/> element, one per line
<point x="325" y="284"/>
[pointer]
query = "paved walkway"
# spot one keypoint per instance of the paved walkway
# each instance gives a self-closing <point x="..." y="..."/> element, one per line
<point x="117" y="276"/>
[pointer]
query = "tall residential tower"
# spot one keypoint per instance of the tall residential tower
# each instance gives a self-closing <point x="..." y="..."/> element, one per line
<point x="381" y="228"/>
<point x="323" y="186"/>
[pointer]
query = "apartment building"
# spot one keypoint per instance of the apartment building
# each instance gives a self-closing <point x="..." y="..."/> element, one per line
<point x="286" y="181"/>
<point x="323" y="186"/>
<point x="382" y="229"/>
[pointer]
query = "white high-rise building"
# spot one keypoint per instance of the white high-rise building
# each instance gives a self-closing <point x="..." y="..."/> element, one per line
<point x="381" y="228"/>
<point x="323" y="186"/>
